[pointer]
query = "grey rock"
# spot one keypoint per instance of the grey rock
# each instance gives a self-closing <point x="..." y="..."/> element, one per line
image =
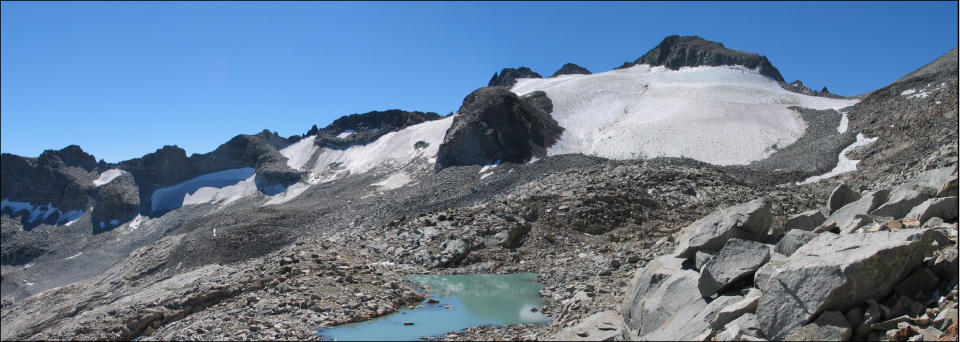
<point x="900" y="203"/>
<point x="763" y="274"/>
<point x="368" y="127"/>
<point x="675" y="52"/>
<point x="906" y="306"/>
<point x="738" y="259"/>
<point x="946" y="265"/>
<point x="512" y="236"/>
<point x="571" y="69"/>
<point x="934" y="183"/>
<point x="657" y="291"/>
<point x="945" y="319"/>
<point x="747" y="305"/>
<point x="118" y="200"/>
<point x="922" y="280"/>
<point x="495" y="124"/>
<point x="834" y="273"/>
<point x="867" y="203"/>
<point x="841" y="196"/>
<point x="830" y="326"/>
<point x="740" y="329"/>
<point x="601" y="326"/>
<point x="892" y="323"/>
<point x="689" y="321"/>
<point x="873" y="314"/>
<point x="508" y="76"/>
<point x="793" y="240"/>
<point x="702" y="258"/>
<point x="806" y="220"/>
<point x="944" y="208"/>
<point x="861" y="221"/>
<point x="747" y="221"/>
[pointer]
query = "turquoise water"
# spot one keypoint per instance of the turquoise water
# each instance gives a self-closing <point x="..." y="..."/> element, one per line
<point x="477" y="299"/>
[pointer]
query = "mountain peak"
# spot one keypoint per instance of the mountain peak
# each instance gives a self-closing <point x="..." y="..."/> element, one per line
<point x="508" y="76"/>
<point x="675" y="52"/>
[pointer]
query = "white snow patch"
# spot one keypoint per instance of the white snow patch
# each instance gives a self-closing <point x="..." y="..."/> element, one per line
<point x="214" y="232"/>
<point x="381" y="263"/>
<point x="299" y="153"/>
<point x="395" y="180"/>
<point x="908" y="92"/>
<point x="345" y="134"/>
<point x="844" y="122"/>
<point x="135" y="223"/>
<point x="392" y="149"/>
<point x="73" y="256"/>
<point x="227" y="185"/>
<point x="292" y="192"/>
<point x="40" y="212"/>
<point x="489" y="167"/>
<point x="108" y="176"/>
<point x="721" y="115"/>
<point x="844" y="164"/>
<point x="485" y="175"/>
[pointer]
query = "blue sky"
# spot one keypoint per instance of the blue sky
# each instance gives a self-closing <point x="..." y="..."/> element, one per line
<point x="123" y="79"/>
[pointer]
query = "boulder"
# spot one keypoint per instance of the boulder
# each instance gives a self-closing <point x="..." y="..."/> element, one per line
<point x="946" y="265"/>
<point x="943" y="207"/>
<point x="747" y="221"/>
<point x="747" y="305"/>
<point x="495" y="124"/>
<point x="601" y="326"/>
<point x="690" y="321"/>
<point x="923" y="280"/>
<point x="900" y="203"/>
<point x="702" y="258"/>
<point x="512" y="237"/>
<point x="763" y="274"/>
<point x="830" y="326"/>
<point x="867" y="203"/>
<point x="657" y="291"/>
<point x="841" y="196"/>
<point x="738" y="259"/>
<point x="837" y="273"/>
<point x="793" y="240"/>
<point x="940" y="182"/>
<point x="806" y="220"/>
<point x="744" y="328"/>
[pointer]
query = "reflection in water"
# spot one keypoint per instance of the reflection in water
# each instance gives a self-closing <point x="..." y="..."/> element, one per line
<point x="477" y="299"/>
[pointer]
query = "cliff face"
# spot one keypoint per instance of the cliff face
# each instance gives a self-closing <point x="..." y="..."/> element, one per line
<point x="675" y="52"/>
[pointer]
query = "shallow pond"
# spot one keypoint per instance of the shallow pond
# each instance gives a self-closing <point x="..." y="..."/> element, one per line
<point x="465" y="300"/>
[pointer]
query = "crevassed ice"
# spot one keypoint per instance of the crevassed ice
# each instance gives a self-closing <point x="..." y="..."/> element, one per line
<point x="723" y="115"/>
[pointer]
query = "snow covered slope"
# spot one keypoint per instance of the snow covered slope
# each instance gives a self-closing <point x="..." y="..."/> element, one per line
<point x="226" y="185"/>
<point x="725" y="115"/>
<point x="392" y="152"/>
<point x="108" y="176"/>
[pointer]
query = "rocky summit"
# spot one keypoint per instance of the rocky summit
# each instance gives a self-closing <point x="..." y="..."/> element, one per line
<point x="645" y="202"/>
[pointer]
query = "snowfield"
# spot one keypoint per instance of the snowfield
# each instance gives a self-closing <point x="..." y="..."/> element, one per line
<point x="393" y="151"/>
<point x="844" y="164"/>
<point x="726" y="115"/>
<point x="108" y="176"/>
<point x="41" y="212"/>
<point x="226" y="185"/>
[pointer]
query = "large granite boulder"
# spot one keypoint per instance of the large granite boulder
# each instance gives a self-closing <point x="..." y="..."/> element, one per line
<point x="508" y="76"/>
<point x="807" y="220"/>
<point x="747" y="221"/>
<point x="738" y="259"/>
<point x="838" y="272"/>
<point x="495" y="124"/>
<point x="943" y="207"/>
<point x="675" y="52"/>
<point x="899" y="203"/>
<point x="867" y="203"/>
<point x="792" y="241"/>
<point x="601" y="326"/>
<point x="841" y="196"/>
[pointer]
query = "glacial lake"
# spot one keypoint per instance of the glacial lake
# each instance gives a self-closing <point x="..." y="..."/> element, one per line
<point x="476" y="299"/>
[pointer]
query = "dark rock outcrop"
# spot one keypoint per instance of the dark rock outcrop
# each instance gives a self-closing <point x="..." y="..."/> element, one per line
<point x="117" y="200"/>
<point x="675" y="52"/>
<point x="571" y="69"/>
<point x="61" y="178"/>
<point x="508" y="76"/>
<point x="364" y="128"/>
<point x="496" y="124"/>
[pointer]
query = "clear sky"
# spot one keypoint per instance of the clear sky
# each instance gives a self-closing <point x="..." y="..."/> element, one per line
<point x="123" y="79"/>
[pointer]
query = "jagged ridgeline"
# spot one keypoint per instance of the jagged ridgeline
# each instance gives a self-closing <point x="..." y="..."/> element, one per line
<point x="692" y="194"/>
